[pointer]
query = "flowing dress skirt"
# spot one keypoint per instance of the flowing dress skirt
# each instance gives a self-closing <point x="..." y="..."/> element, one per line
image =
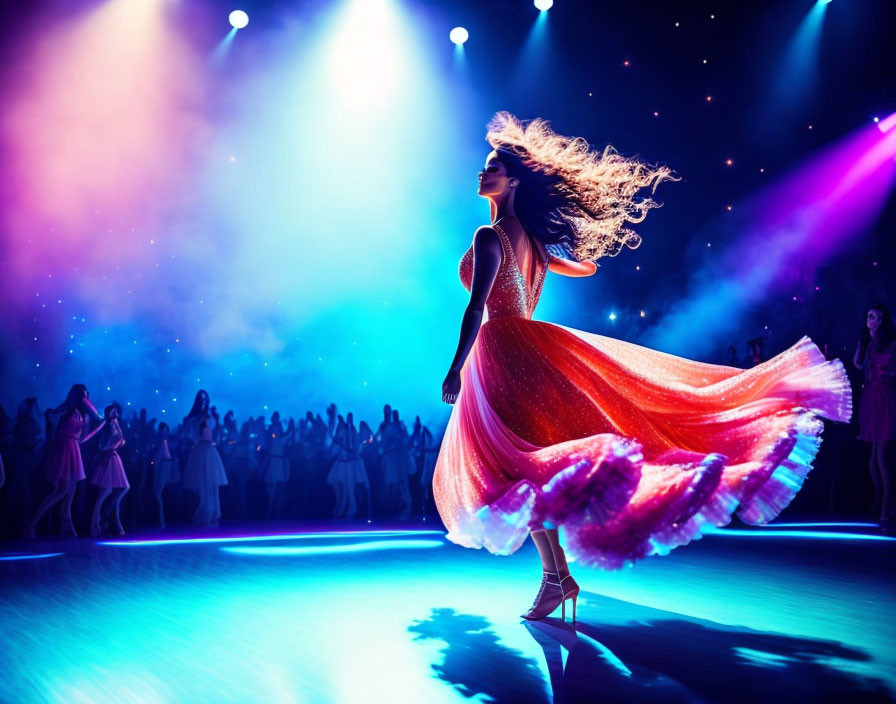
<point x="345" y="476"/>
<point x="203" y="474"/>
<point x="629" y="451"/>
<point x="109" y="471"/>
<point x="64" y="460"/>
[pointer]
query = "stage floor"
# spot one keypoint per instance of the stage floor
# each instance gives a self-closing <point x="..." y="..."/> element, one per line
<point x="784" y="614"/>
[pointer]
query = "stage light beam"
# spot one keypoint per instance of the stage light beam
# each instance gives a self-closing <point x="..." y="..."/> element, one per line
<point x="544" y="5"/>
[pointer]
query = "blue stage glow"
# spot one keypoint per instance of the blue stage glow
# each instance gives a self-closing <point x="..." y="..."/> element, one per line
<point x="821" y="525"/>
<point x="27" y="556"/>
<point x="459" y="35"/>
<point x="827" y="535"/>
<point x="238" y="19"/>
<point x="266" y="538"/>
<point x="335" y="549"/>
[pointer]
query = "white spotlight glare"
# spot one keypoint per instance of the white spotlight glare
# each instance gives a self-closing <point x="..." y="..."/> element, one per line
<point x="459" y="35"/>
<point x="238" y="19"/>
<point x="544" y="5"/>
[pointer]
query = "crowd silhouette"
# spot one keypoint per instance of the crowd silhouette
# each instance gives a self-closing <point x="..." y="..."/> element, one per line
<point x="143" y="474"/>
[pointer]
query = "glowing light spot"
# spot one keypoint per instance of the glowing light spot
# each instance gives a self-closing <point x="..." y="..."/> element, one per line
<point x="729" y="162"/>
<point x="626" y="63"/>
<point x="238" y="19"/>
<point x="544" y="5"/>
<point x="643" y="314"/>
<point x="335" y="549"/>
<point x="727" y="207"/>
<point x="27" y="556"/>
<point x="459" y="35"/>
<point x="708" y="98"/>
<point x="818" y="535"/>
<point x="612" y="316"/>
<point x="272" y="537"/>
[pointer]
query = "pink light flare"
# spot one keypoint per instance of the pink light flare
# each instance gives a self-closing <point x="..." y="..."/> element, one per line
<point x="101" y="130"/>
<point x="886" y="124"/>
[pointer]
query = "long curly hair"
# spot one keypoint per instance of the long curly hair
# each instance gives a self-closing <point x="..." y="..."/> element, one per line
<point x="570" y="196"/>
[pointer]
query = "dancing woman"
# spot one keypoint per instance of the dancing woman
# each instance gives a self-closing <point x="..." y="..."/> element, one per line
<point x="65" y="468"/>
<point x="621" y="451"/>
<point x="876" y="355"/>
<point x="108" y="471"/>
<point x="276" y="469"/>
<point x="164" y="470"/>
<point x="347" y="472"/>
<point x="204" y="472"/>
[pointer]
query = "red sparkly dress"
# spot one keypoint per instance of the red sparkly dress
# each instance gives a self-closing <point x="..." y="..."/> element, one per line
<point x="629" y="451"/>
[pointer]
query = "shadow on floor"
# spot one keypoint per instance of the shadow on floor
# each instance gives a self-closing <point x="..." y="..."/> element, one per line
<point x="645" y="655"/>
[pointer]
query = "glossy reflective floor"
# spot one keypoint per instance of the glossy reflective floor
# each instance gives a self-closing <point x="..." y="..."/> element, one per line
<point x="793" y="614"/>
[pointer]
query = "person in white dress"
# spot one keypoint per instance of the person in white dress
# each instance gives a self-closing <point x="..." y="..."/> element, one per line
<point x="347" y="472"/>
<point x="277" y="469"/>
<point x="204" y="473"/>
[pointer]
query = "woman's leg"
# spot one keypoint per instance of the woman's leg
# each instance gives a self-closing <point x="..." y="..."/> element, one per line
<point x="886" y="478"/>
<point x="553" y="559"/>
<point x="272" y="493"/>
<point x="117" y="504"/>
<point x="60" y="490"/>
<point x="875" y="471"/>
<point x="65" y="509"/>
<point x="95" y="528"/>
<point x="158" y="494"/>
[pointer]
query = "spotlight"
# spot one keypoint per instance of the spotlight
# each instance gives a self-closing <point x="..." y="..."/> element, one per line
<point x="238" y="19"/>
<point x="886" y="124"/>
<point x="612" y="316"/>
<point x="459" y="35"/>
<point x="544" y="5"/>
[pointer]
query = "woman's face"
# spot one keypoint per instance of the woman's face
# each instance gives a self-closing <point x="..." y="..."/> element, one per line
<point x="874" y="319"/>
<point x="493" y="179"/>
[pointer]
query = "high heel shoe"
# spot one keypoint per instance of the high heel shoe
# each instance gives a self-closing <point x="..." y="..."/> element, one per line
<point x="554" y="592"/>
<point x="68" y="530"/>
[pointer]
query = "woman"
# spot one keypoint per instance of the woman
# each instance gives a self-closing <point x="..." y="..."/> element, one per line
<point x="108" y="471"/>
<point x="164" y="469"/>
<point x="629" y="451"/>
<point x="398" y="465"/>
<point x="876" y="355"/>
<point x="347" y="472"/>
<point x="65" y="468"/>
<point x="276" y="468"/>
<point x="204" y="472"/>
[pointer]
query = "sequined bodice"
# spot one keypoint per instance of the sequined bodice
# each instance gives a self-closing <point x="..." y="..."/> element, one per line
<point x="509" y="295"/>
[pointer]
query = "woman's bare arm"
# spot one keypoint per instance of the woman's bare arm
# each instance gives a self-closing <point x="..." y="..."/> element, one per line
<point x="92" y="433"/>
<point x="487" y="257"/>
<point x="567" y="267"/>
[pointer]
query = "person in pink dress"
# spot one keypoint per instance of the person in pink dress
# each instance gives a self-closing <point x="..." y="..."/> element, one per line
<point x="876" y="355"/>
<point x="602" y="448"/>
<point x="108" y="471"/>
<point x="65" y="468"/>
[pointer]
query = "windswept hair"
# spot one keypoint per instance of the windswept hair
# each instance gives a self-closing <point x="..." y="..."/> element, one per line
<point x="569" y="195"/>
